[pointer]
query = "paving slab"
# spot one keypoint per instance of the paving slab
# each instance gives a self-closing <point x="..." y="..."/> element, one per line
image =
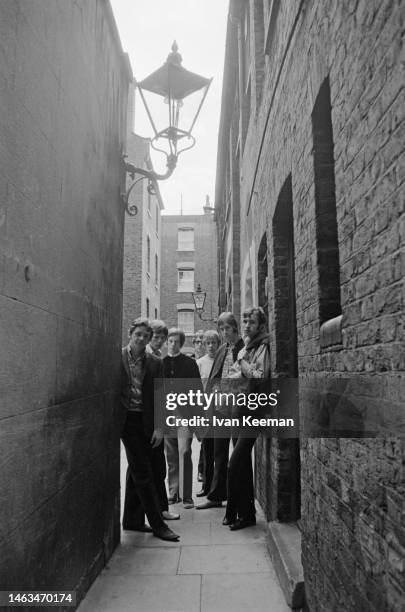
<point x="137" y="561"/>
<point x="220" y="534"/>
<point x="226" y="559"/>
<point x="128" y="593"/>
<point x="233" y="592"/>
<point x="189" y="532"/>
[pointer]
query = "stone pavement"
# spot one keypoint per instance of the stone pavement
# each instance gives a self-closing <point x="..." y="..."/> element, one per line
<point x="211" y="569"/>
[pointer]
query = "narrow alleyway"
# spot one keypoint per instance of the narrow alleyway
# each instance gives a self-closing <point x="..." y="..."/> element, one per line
<point x="211" y="569"/>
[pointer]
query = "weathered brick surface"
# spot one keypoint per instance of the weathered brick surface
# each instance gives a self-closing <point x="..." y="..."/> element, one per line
<point x="139" y="283"/>
<point x="63" y="85"/>
<point x="353" y="530"/>
<point x="205" y="272"/>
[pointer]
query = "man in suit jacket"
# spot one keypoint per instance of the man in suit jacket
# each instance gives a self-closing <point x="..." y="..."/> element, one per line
<point x="177" y="369"/>
<point x="133" y="507"/>
<point x="140" y="435"/>
<point x="223" y="362"/>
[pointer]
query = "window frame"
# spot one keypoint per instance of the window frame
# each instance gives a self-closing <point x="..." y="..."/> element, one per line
<point x="183" y="247"/>
<point x="192" y="285"/>
<point x="191" y="330"/>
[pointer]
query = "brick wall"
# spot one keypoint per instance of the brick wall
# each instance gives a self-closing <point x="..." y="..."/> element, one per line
<point x="352" y="514"/>
<point x="205" y="272"/>
<point x="139" y="284"/>
<point x="64" y="84"/>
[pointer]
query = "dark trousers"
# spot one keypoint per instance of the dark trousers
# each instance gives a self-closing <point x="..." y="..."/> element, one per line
<point x="201" y="460"/>
<point x="134" y="513"/>
<point x="207" y="447"/>
<point x="140" y="477"/>
<point x="218" y="490"/>
<point x="241" y="500"/>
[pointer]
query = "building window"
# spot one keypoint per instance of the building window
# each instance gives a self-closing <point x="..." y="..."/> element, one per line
<point x="156" y="313"/>
<point x="157" y="219"/>
<point x="325" y="207"/>
<point x="185" y="321"/>
<point x="185" y="280"/>
<point x="147" y="307"/>
<point x="156" y="269"/>
<point x="149" y="204"/>
<point x="148" y="254"/>
<point x="185" y="239"/>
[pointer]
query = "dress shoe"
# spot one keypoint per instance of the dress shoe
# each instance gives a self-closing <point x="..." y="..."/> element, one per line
<point x="242" y="523"/>
<point x="170" y="516"/>
<point x="142" y="528"/>
<point x="227" y="521"/>
<point x="165" y="533"/>
<point x="209" y="504"/>
<point x="202" y="493"/>
<point x="173" y="500"/>
<point x="188" y="503"/>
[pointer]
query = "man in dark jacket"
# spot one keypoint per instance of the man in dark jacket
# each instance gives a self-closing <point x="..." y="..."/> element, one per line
<point x="219" y="447"/>
<point x="133" y="506"/>
<point x="177" y="369"/>
<point x="140" y="435"/>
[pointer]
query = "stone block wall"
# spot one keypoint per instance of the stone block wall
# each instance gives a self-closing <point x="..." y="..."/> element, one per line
<point x="64" y="82"/>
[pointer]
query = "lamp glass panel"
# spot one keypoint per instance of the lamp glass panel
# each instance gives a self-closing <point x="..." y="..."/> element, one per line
<point x="160" y="112"/>
<point x="199" y="299"/>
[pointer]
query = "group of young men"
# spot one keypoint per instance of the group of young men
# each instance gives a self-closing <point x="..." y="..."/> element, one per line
<point x="215" y="367"/>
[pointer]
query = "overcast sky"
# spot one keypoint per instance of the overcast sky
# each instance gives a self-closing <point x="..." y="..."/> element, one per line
<point x="147" y="30"/>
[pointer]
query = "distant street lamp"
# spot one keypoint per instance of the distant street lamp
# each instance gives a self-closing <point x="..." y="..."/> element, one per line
<point x="173" y="83"/>
<point x="199" y="301"/>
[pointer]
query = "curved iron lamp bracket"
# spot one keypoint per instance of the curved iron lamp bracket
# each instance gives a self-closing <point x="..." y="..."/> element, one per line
<point x="172" y="135"/>
<point x="149" y="175"/>
<point x="206" y="319"/>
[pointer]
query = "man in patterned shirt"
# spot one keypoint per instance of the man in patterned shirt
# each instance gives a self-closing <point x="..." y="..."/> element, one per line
<point x="140" y="371"/>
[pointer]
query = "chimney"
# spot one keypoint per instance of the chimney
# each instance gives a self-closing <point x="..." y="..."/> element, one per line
<point x="208" y="209"/>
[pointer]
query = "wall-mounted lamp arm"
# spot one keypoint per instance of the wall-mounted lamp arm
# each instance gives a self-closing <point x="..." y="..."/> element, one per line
<point x="206" y="318"/>
<point x="151" y="176"/>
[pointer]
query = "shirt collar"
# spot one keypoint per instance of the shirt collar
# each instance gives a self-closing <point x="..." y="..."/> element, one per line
<point x="132" y="358"/>
<point x="151" y="351"/>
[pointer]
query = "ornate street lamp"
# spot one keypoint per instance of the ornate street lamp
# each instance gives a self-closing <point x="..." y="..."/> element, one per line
<point x="199" y="301"/>
<point x="174" y="83"/>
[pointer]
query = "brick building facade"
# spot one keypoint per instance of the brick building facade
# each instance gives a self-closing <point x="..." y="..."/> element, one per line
<point x="142" y="241"/>
<point x="189" y="259"/>
<point x="64" y="85"/>
<point x="310" y="201"/>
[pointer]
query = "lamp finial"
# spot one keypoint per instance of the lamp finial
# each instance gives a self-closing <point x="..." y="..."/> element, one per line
<point x="174" y="57"/>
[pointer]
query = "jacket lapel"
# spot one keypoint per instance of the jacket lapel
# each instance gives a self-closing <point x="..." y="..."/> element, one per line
<point x="218" y="361"/>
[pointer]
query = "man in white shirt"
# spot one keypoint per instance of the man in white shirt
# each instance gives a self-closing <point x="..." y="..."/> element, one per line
<point x="211" y="342"/>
